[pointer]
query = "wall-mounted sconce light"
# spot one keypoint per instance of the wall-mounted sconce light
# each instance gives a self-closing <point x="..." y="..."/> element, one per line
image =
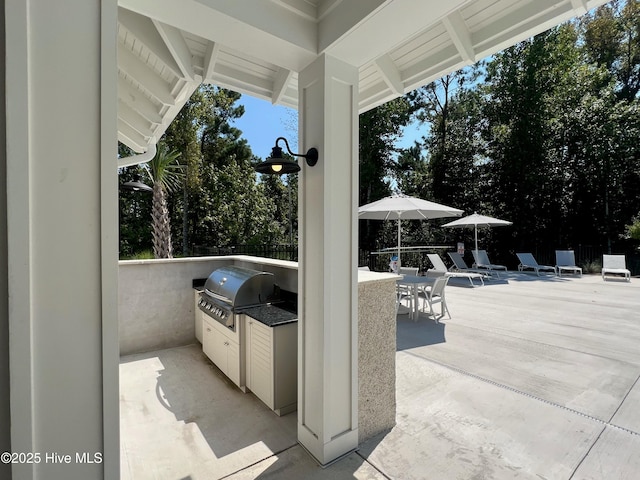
<point x="136" y="185"/>
<point x="276" y="164"/>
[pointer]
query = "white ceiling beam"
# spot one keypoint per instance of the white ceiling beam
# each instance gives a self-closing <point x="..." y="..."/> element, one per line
<point x="376" y="101"/>
<point x="135" y="121"/>
<point x="245" y="80"/>
<point x="529" y="20"/>
<point x="300" y="7"/>
<point x="132" y="117"/>
<point x="122" y="138"/>
<point x="358" y="36"/>
<point x="177" y="46"/>
<point x="460" y="35"/>
<point x="145" y="31"/>
<point x="390" y="74"/>
<point x="134" y="67"/>
<point x="134" y="139"/>
<point x="280" y="84"/>
<point x="430" y="68"/>
<point x="343" y="19"/>
<point x="260" y="29"/>
<point x="210" y="59"/>
<point x="135" y="99"/>
<point x="372" y="93"/>
<point x="184" y="91"/>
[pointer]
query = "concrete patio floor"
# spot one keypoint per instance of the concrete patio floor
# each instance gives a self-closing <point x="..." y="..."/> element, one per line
<point x="532" y="377"/>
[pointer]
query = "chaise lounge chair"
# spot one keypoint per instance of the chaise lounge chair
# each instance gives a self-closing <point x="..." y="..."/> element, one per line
<point x="615" y="265"/>
<point x="482" y="262"/>
<point x="440" y="268"/>
<point x="528" y="262"/>
<point x="459" y="265"/>
<point x="566" y="261"/>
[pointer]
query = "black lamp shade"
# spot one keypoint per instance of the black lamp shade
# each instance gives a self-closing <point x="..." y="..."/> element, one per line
<point x="136" y="185"/>
<point x="276" y="164"/>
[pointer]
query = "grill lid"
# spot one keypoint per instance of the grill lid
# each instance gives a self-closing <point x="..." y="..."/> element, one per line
<point x="239" y="286"/>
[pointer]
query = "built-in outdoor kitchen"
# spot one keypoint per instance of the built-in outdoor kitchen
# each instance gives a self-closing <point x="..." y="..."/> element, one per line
<point x="247" y="326"/>
<point x="252" y="336"/>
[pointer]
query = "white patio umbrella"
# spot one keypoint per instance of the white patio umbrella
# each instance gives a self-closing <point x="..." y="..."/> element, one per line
<point x="476" y="221"/>
<point x="402" y="207"/>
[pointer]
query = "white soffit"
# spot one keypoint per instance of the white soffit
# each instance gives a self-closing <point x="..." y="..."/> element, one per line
<point x="167" y="48"/>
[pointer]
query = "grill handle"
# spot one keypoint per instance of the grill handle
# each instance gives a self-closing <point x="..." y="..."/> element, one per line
<point x="217" y="296"/>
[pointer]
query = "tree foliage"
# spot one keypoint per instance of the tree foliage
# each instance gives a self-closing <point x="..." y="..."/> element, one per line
<point x="165" y="174"/>
<point x="220" y="201"/>
<point x="543" y="134"/>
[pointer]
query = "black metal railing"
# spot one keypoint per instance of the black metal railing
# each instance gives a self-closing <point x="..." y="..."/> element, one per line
<point x="589" y="257"/>
<point x="280" y="252"/>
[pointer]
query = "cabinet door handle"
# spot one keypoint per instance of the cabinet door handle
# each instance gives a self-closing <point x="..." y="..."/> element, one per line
<point x="208" y="329"/>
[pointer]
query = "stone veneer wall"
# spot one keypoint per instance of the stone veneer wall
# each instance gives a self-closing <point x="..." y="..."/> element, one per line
<point x="376" y="354"/>
<point x="156" y="304"/>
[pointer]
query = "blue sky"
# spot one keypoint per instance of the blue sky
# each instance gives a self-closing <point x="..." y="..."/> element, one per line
<point x="263" y="122"/>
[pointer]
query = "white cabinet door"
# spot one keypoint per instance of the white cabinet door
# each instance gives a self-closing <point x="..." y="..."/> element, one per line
<point x="260" y="361"/>
<point x="223" y="350"/>
<point x="210" y="343"/>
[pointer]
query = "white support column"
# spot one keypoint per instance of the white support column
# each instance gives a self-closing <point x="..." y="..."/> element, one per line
<point x="62" y="235"/>
<point x="328" y="329"/>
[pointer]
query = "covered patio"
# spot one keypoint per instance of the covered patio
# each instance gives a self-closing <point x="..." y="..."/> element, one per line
<point x="78" y="78"/>
<point x="546" y="386"/>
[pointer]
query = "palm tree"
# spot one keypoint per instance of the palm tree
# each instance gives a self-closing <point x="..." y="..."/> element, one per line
<point x="165" y="173"/>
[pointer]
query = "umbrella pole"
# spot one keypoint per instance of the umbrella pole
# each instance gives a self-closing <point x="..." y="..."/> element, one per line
<point x="399" y="234"/>
<point x="476" y="229"/>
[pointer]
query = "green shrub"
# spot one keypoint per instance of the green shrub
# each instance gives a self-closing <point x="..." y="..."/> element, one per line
<point x="633" y="230"/>
<point x="142" y="255"/>
<point x="592" y="266"/>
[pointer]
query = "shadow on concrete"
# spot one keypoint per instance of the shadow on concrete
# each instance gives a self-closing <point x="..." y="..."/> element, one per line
<point x="296" y="463"/>
<point x="195" y="391"/>
<point x="425" y="331"/>
<point x="465" y="283"/>
<point x="544" y="277"/>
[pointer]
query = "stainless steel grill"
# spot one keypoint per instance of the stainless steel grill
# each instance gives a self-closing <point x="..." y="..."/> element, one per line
<point x="229" y="289"/>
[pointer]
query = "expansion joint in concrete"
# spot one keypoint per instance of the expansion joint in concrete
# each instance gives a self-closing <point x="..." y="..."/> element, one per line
<point x="534" y="397"/>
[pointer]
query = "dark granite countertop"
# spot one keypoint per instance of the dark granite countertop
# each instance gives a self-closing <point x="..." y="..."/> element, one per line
<point x="271" y="315"/>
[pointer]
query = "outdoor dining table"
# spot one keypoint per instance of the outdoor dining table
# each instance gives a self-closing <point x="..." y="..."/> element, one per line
<point x="415" y="281"/>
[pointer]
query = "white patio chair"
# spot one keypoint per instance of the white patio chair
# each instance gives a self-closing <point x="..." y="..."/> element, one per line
<point x="528" y="262"/>
<point x="566" y="261"/>
<point x="615" y="265"/>
<point x="405" y="291"/>
<point x="435" y="294"/>
<point x="482" y="262"/>
<point x="440" y="267"/>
